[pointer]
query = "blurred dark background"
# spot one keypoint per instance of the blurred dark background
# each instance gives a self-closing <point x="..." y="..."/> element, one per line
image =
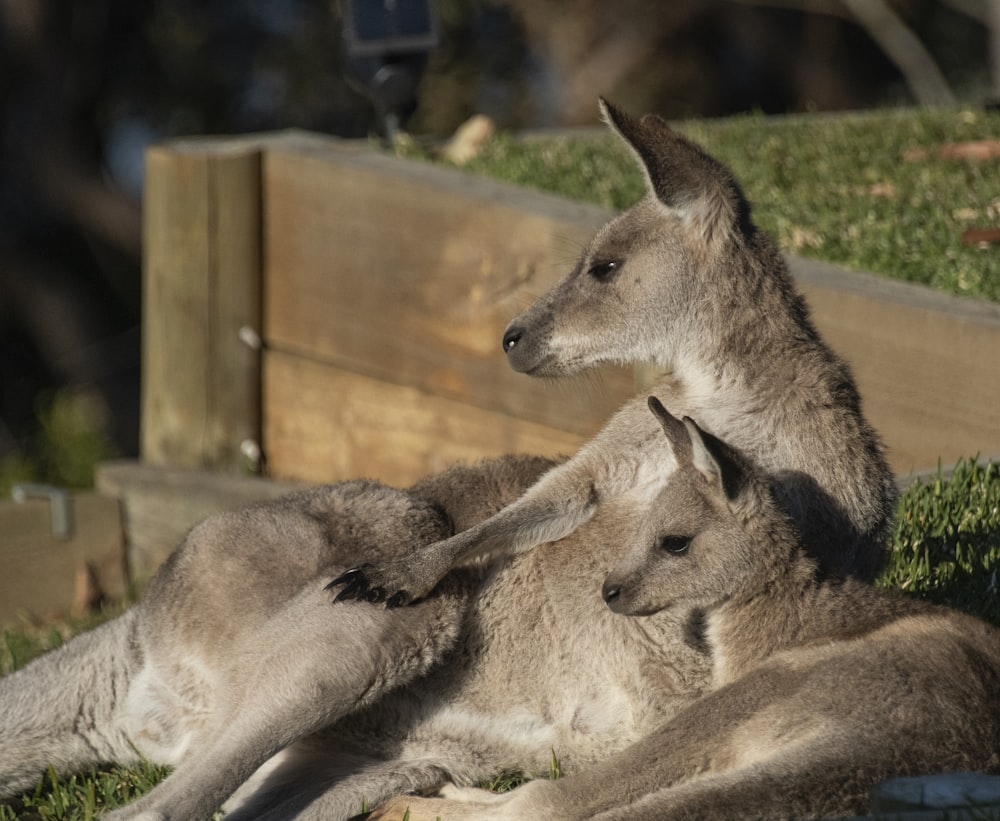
<point x="86" y="85"/>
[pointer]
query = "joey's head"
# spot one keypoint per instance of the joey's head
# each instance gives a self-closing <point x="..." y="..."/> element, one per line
<point x="695" y="545"/>
<point x="637" y="288"/>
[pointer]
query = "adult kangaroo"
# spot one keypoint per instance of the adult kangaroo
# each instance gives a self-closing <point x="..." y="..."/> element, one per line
<point x="235" y="669"/>
<point x="685" y="280"/>
<point x="820" y="688"/>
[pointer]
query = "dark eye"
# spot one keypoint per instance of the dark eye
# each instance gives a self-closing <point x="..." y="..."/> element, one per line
<point x="677" y="545"/>
<point x="605" y="271"/>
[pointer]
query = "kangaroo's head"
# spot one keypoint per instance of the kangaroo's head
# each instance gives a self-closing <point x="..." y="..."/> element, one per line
<point x="696" y="546"/>
<point x="637" y="291"/>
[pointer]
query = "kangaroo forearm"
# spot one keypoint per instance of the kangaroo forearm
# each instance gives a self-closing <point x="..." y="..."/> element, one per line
<point x="519" y="528"/>
<point x="561" y="501"/>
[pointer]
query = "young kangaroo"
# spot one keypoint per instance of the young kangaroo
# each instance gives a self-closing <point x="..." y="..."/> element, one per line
<point x="683" y="279"/>
<point x="820" y="689"/>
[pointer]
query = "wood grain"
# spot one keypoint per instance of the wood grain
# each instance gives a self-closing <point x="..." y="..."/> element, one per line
<point x="927" y="364"/>
<point x="326" y="424"/>
<point x="201" y="301"/>
<point x="386" y="287"/>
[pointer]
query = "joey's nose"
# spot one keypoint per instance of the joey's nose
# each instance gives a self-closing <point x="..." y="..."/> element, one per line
<point x="511" y="338"/>
<point x="611" y="592"/>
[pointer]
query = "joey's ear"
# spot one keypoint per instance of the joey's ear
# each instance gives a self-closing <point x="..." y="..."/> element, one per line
<point x="693" y="185"/>
<point x="674" y="429"/>
<point x="704" y="459"/>
<point x="723" y="467"/>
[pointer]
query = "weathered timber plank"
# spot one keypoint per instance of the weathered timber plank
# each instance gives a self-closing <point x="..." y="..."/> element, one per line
<point x="201" y="303"/>
<point x="324" y="424"/>
<point x="45" y="575"/>
<point x="407" y="272"/>
<point x="927" y="364"/>
<point x="160" y="504"/>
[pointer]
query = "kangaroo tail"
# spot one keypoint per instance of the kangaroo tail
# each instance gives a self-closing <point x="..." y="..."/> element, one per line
<point x="61" y="710"/>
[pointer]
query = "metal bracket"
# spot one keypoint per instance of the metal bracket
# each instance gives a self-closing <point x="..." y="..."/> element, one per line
<point x="60" y="502"/>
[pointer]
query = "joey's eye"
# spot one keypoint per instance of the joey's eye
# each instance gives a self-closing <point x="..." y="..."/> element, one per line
<point x="605" y="271"/>
<point x="677" y="545"/>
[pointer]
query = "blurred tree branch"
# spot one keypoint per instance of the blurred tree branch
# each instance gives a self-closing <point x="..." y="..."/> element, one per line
<point x="69" y="236"/>
<point x="903" y="47"/>
<point x="49" y="119"/>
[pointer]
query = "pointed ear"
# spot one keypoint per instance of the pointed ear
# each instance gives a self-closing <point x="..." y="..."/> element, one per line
<point x="722" y="466"/>
<point x="693" y="185"/>
<point x="678" y="437"/>
<point x="704" y="461"/>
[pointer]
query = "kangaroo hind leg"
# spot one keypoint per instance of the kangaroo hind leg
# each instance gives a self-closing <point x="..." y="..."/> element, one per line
<point x="796" y="783"/>
<point x="309" y="666"/>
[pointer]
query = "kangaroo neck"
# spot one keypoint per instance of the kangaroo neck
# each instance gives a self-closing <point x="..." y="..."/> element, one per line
<point x="778" y="613"/>
<point x="745" y="327"/>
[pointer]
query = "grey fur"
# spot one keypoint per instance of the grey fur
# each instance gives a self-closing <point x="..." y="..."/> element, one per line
<point x="683" y="279"/>
<point x="820" y="689"/>
<point x="235" y="659"/>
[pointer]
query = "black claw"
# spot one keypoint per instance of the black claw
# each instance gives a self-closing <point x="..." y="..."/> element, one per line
<point x="395" y="600"/>
<point x="350" y="576"/>
<point x="354" y="590"/>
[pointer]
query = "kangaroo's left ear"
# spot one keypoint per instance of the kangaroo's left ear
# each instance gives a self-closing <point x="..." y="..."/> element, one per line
<point x="716" y="461"/>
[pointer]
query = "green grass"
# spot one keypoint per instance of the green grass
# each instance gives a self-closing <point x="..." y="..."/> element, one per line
<point x="837" y="188"/>
<point x="20" y="643"/>
<point x="946" y="548"/>
<point x="83" y="797"/>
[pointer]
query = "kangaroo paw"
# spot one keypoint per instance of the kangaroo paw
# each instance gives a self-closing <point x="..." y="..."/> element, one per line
<point x="395" y="584"/>
<point x="356" y="586"/>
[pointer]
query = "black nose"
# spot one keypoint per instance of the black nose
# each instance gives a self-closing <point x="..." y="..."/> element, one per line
<point x="511" y="338"/>
<point x="611" y="593"/>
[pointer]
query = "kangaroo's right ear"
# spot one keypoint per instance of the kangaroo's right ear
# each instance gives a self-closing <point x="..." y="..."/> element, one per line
<point x="703" y="457"/>
<point x="675" y="431"/>
<point x="723" y="466"/>
<point x="693" y="185"/>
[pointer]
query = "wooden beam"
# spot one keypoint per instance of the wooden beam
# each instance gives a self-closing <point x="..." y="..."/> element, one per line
<point x="406" y="273"/>
<point x="201" y="304"/>
<point x="927" y="363"/>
